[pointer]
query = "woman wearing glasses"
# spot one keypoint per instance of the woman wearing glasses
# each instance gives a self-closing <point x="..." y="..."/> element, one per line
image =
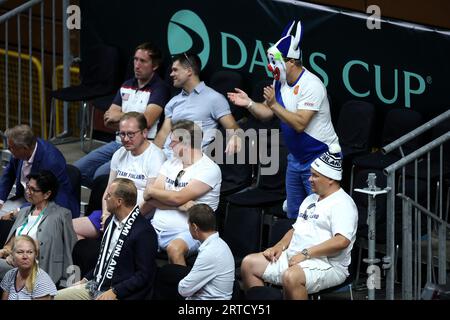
<point x="27" y="281"/>
<point x="47" y="223"/>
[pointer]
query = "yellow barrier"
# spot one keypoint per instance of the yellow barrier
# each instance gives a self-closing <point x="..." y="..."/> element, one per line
<point x="39" y="115"/>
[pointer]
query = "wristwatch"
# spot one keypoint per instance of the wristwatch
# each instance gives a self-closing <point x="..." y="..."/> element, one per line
<point x="306" y="253"/>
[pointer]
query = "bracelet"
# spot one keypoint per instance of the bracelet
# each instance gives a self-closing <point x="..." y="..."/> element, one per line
<point x="250" y="105"/>
<point x="235" y="134"/>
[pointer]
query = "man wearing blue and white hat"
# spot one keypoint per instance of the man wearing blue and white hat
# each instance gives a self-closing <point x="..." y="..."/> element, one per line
<point x="315" y="253"/>
<point x="299" y="99"/>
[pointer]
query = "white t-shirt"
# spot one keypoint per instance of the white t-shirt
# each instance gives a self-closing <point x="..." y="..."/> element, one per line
<point x="319" y="221"/>
<point x="136" y="100"/>
<point x="204" y="170"/>
<point x="308" y="93"/>
<point x="30" y="227"/>
<point x="138" y="168"/>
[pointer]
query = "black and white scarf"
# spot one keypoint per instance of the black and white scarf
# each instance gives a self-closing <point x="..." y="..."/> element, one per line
<point x="104" y="269"/>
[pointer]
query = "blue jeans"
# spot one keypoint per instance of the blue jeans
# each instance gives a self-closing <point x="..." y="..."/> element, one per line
<point x="297" y="184"/>
<point x="96" y="163"/>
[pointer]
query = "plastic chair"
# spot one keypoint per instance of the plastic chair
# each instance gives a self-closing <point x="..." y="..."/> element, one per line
<point x="397" y="123"/>
<point x="245" y="211"/>
<point x="236" y="176"/>
<point x="257" y="90"/>
<point x="99" y="77"/>
<point x="224" y="81"/>
<point x="57" y="82"/>
<point x="98" y="189"/>
<point x="85" y="254"/>
<point x="347" y="285"/>
<point x="354" y="135"/>
<point x="331" y="292"/>
<point x="271" y="292"/>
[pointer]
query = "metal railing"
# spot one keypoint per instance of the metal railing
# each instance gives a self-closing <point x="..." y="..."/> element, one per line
<point x="411" y="135"/>
<point x="397" y="185"/>
<point x="413" y="240"/>
<point x="20" y="83"/>
<point x="18" y="95"/>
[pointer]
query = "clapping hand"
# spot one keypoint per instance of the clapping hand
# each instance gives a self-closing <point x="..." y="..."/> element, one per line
<point x="239" y="98"/>
<point x="269" y="96"/>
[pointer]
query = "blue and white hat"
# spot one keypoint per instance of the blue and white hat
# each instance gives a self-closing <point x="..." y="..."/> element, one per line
<point x="329" y="164"/>
<point x="288" y="45"/>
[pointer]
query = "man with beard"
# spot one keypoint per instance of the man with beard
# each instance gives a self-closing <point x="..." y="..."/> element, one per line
<point x="138" y="160"/>
<point x="145" y="93"/>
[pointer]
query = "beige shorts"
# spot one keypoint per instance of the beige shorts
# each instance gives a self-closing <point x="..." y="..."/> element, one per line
<point x="319" y="273"/>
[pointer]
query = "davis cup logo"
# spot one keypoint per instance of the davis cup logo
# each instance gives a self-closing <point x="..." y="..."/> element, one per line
<point x="187" y="32"/>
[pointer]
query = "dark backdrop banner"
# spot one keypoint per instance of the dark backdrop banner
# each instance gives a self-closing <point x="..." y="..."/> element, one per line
<point x="394" y="66"/>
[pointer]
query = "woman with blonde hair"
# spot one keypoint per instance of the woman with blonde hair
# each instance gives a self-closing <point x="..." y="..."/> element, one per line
<point x="27" y="281"/>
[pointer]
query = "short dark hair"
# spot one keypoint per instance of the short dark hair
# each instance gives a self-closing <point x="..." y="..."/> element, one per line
<point x="126" y="189"/>
<point x="298" y="62"/>
<point x="203" y="216"/>
<point x="189" y="61"/>
<point x="153" y="51"/>
<point x="188" y="131"/>
<point x="46" y="181"/>
<point x="140" y="118"/>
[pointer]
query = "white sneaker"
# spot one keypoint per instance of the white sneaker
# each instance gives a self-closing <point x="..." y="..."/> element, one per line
<point x="285" y="207"/>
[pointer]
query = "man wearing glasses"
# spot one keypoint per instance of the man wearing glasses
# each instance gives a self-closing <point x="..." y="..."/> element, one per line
<point x="196" y="102"/>
<point x="138" y="160"/>
<point x="146" y="93"/>
<point x="316" y="252"/>
<point x="188" y="178"/>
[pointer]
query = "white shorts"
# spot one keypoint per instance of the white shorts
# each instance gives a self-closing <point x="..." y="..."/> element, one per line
<point x="165" y="237"/>
<point x="319" y="274"/>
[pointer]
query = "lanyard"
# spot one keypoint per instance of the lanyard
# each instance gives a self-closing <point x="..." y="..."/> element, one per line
<point x="26" y="222"/>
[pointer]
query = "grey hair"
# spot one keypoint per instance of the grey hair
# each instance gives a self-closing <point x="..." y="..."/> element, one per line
<point x="22" y="135"/>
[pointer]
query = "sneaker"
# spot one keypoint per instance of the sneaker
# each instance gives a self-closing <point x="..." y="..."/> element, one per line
<point x="285" y="207"/>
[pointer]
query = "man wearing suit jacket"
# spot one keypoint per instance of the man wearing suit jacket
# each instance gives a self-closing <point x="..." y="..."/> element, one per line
<point x="126" y="265"/>
<point x="30" y="155"/>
